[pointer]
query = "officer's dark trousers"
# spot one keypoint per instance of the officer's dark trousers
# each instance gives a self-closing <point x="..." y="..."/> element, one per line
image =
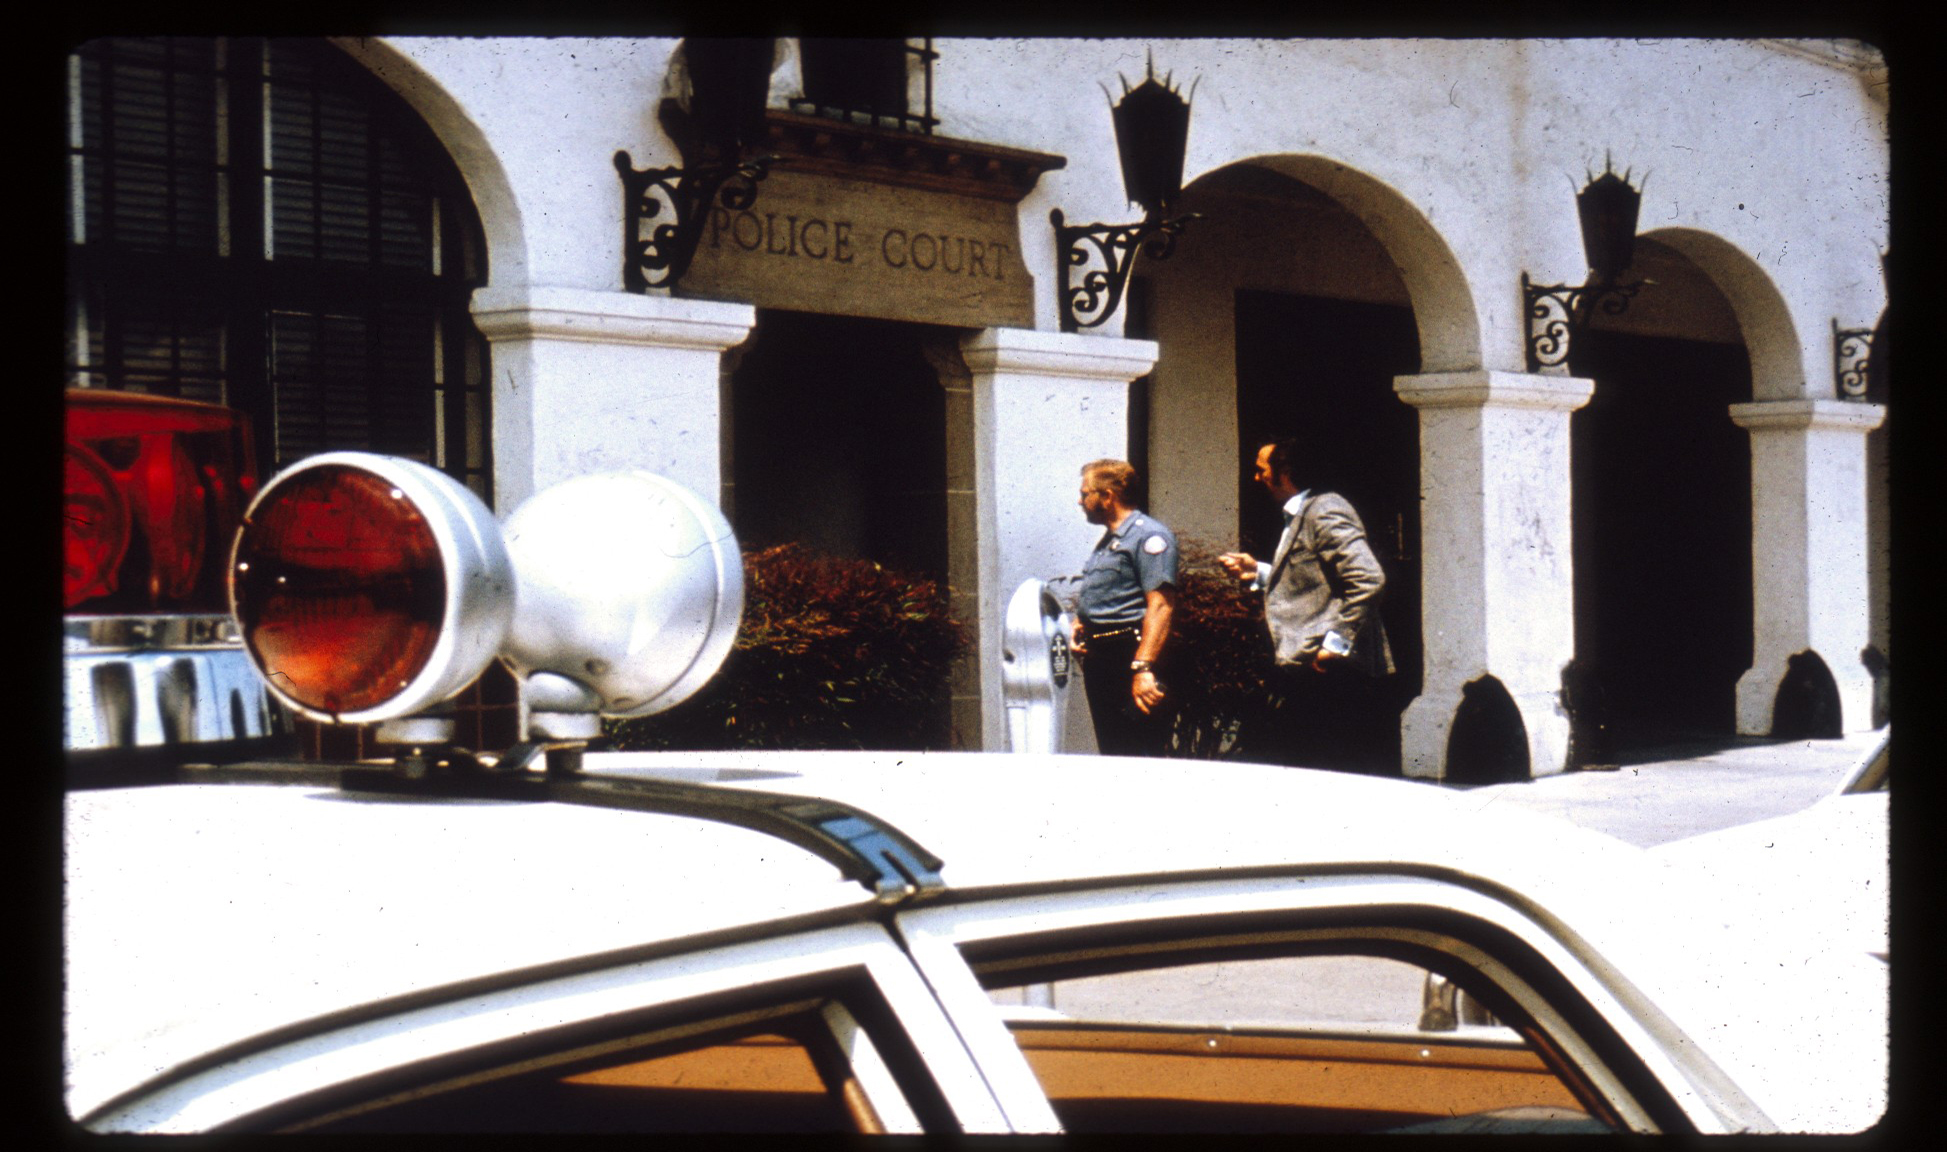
<point x="1121" y="729"/>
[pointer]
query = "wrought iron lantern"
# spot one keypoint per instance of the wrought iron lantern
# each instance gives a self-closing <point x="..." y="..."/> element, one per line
<point x="1606" y="207"/>
<point x="729" y="82"/>
<point x="1152" y="131"/>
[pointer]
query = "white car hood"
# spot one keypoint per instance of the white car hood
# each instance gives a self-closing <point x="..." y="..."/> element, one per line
<point x="1810" y="891"/>
<point x="1821" y="875"/>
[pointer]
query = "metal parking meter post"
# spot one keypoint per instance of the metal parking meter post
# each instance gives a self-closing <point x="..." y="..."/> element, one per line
<point x="1036" y="669"/>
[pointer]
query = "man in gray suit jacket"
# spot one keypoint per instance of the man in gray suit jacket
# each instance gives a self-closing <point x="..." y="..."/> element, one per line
<point x="1321" y="590"/>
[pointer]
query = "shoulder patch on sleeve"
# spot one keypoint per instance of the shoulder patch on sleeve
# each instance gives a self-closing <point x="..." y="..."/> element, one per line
<point x="1155" y="545"/>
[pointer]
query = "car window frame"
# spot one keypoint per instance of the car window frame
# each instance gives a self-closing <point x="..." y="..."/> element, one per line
<point x="333" y="1062"/>
<point x="1031" y="963"/>
<point x="841" y="1052"/>
<point x="1673" y="1078"/>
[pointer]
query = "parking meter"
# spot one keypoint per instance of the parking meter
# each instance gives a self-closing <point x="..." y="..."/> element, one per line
<point x="1037" y="669"/>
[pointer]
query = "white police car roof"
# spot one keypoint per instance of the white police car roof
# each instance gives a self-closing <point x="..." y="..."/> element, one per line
<point x="199" y="915"/>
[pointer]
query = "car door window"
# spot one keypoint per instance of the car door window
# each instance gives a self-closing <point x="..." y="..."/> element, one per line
<point x="806" y="1068"/>
<point x="715" y="1038"/>
<point x="1294" y="1043"/>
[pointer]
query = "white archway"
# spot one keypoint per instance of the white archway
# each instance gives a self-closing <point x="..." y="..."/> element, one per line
<point x="1335" y="242"/>
<point x="1770" y="336"/>
<point x="1442" y="298"/>
<point x="479" y="165"/>
<point x="1809" y="512"/>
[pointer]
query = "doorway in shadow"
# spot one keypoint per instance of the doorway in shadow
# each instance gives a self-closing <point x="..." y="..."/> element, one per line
<point x="1321" y="370"/>
<point x="1662" y="535"/>
<point x="838" y="443"/>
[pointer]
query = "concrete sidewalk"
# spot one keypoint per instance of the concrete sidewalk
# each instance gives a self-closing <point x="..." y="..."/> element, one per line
<point x="1664" y="794"/>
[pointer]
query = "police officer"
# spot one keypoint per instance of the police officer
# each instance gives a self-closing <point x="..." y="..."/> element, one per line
<point x="1128" y="592"/>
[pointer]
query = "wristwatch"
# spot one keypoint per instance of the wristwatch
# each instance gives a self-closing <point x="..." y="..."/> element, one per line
<point x="1142" y="665"/>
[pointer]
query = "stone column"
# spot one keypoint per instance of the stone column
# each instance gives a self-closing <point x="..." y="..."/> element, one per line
<point x="1879" y="556"/>
<point x="1044" y="404"/>
<point x="1809" y="571"/>
<point x="1497" y="577"/>
<point x="588" y="381"/>
<point x="963" y="547"/>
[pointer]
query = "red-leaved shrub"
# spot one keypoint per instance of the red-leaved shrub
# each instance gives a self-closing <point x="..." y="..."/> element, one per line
<point x="831" y="653"/>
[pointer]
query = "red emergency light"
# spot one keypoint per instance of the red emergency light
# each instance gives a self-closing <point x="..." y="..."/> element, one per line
<point x="369" y="587"/>
<point x="372" y="588"/>
<point x="154" y="486"/>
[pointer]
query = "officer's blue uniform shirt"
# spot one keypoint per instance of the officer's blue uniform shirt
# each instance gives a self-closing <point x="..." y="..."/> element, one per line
<point x="1126" y="565"/>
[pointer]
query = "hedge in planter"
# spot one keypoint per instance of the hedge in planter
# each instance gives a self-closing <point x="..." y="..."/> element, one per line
<point x="831" y="653"/>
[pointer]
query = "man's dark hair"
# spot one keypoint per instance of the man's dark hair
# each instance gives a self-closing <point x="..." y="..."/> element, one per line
<point x="1312" y="461"/>
<point x="1293" y="458"/>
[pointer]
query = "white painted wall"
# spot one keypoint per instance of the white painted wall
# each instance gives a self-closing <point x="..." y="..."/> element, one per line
<point x="1766" y="169"/>
<point x="1782" y="156"/>
<point x="552" y="112"/>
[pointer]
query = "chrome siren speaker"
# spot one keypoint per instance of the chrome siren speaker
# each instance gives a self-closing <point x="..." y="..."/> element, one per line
<point x="631" y="588"/>
<point x="369" y="587"/>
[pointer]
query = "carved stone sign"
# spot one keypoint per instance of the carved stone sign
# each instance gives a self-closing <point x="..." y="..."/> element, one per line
<point x="816" y="242"/>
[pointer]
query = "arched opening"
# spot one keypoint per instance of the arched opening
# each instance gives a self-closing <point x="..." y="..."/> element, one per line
<point x="1288" y="311"/>
<point x="479" y="166"/>
<point x="264" y="224"/>
<point x="1807" y="706"/>
<point x="1320" y="369"/>
<point x="1488" y="743"/>
<point x="1662" y="511"/>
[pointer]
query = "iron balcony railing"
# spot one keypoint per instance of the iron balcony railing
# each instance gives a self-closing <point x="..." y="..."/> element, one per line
<point x="899" y="116"/>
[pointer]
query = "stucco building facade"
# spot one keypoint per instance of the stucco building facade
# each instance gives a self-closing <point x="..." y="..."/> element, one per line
<point x="1690" y="505"/>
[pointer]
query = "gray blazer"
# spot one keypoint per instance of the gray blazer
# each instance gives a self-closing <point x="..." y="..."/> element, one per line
<point x="1326" y="578"/>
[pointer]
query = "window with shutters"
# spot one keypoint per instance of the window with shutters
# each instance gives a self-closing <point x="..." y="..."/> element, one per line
<point x="263" y="224"/>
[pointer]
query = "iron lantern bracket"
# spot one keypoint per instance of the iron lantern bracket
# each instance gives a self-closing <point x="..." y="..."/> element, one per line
<point x="1558" y="312"/>
<point x="661" y="259"/>
<point x="1852" y="355"/>
<point x="1100" y="292"/>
